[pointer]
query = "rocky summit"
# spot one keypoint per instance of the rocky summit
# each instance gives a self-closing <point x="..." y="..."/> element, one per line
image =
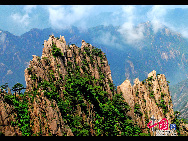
<point x="70" y="92"/>
<point x="148" y="98"/>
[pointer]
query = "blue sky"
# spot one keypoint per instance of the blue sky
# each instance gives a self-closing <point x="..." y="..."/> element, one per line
<point x="20" y="19"/>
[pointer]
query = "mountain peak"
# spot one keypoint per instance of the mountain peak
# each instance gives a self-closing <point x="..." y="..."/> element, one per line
<point x="70" y="91"/>
<point x="148" y="98"/>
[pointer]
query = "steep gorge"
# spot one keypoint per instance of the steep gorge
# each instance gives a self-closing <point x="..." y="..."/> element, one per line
<point x="70" y="92"/>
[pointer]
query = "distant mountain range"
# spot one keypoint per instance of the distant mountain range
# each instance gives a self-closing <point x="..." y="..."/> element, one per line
<point x="165" y="51"/>
<point x="179" y="94"/>
<point x="70" y="92"/>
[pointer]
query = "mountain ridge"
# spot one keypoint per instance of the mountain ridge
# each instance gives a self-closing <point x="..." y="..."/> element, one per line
<point x="70" y="91"/>
<point x="166" y="57"/>
<point x="179" y="96"/>
<point x="77" y="106"/>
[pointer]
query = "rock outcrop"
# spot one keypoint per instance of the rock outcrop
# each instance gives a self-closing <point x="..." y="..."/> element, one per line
<point x="70" y="92"/>
<point x="6" y="117"/>
<point x="45" y="120"/>
<point x="148" y="98"/>
<point x="56" y="62"/>
<point x="58" y="65"/>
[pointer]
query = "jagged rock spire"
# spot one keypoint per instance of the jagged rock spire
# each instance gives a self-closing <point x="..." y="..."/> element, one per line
<point x="147" y="96"/>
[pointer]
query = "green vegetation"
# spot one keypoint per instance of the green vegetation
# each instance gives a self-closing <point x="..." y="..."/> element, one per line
<point x="87" y="50"/>
<point x="21" y="108"/>
<point x="1" y="134"/>
<point x="17" y="87"/>
<point x="144" y="81"/>
<point x="137" y="109"/>
<point x="146" y="122"/>
<point x="162" y="104"/>
<point x="106" y="114"/>
<point x="97" y="52"/>
<point x="150" y="78"/>
<point x="4" y="87"/>
<point x="110" y="113"/>
<point x="56" y="51"/>
<point x="29" y="71"/>
<point x="100" y="112"/>
<point x="137" y="92"/>
<point x="152" y="95"/>
<point x="177" y="120"/>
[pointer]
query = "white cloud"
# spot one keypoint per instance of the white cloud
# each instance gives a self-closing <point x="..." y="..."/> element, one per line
<point x="83" y="16"/>
<point x="131" y="33"/>
<point x="26" y="64"/>
<point x="23" y="19"/>
<point x="29" y="8"/>
<point x="175" y="6"/>
<point x="156" y="16"/>
<point x="109" y="40"/>
<point x="61" y="17"/>
<point x="9" y="72"/>
<point x="184" y="32"/>
<point x="129" y="12"/>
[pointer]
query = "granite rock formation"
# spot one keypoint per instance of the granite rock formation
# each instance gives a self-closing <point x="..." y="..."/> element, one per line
<point x="148" y="98"/>
<point x="70" y="92"/>
<point x="70" y="53"/>
<point x="52" y="66"/>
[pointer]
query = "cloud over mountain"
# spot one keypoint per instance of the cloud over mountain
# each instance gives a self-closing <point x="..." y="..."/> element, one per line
<point x="130" y="33"/>
<point x="156" y="16"/>
<point x="61" y="17"/>
<point x="23" y="19"/>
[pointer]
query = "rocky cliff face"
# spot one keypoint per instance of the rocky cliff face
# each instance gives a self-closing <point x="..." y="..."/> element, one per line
<point x="148" y="98"/>
<point x="179" y="98"/>
<point x="51" y="106"/>
<point x="70" y="92"/>
<point x="6" y="117"/>
<point x="44" y="120"/>
<point x="95" y="63"/>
